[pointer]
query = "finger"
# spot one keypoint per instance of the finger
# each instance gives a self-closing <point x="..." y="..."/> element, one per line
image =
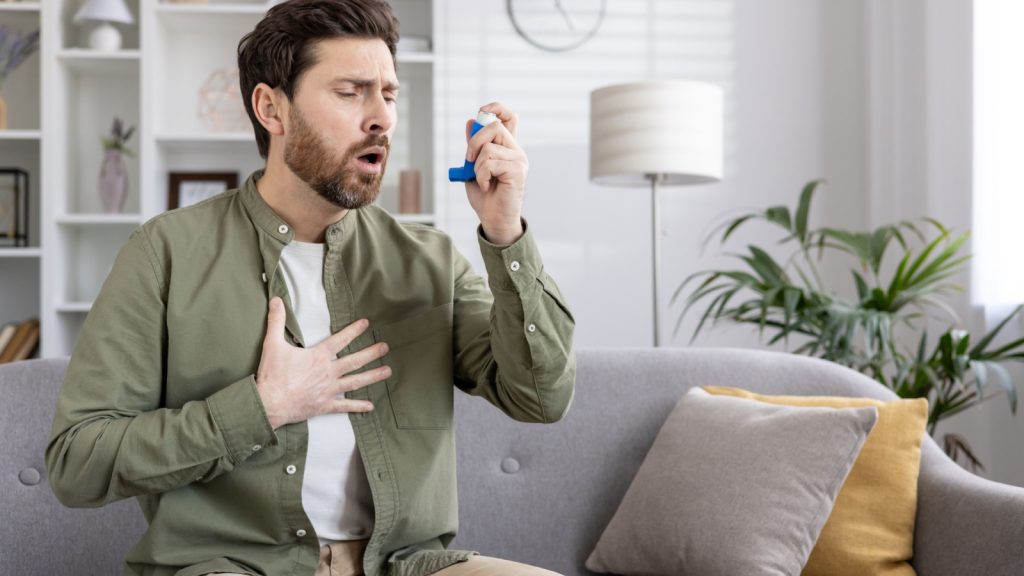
<point x="357" y="360"/>
<point x="469" y="129"/>
<point x="507" y="171"/>
<point x="342" y="338"/>
<point x="491" y="150"/>
<point x="357" y="381"/>
<point x="509" y="118"/>
<point x="492" y="133"/>
<point x="276" y="316"/>
<point x="345" y="405"/>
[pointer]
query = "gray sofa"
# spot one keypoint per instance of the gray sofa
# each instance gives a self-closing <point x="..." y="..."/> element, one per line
<point x="537" y="494"/>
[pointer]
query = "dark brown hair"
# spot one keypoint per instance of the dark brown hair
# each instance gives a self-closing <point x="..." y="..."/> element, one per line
<point x="282" y="46"/>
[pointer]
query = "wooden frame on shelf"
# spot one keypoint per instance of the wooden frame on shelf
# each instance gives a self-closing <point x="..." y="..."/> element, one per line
<point x="14" y="191"/>
<point x="187" y="188"/>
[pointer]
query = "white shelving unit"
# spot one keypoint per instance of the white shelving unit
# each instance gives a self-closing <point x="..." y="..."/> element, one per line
<point x="68" y="96"/>
<point x="21" y="147"/>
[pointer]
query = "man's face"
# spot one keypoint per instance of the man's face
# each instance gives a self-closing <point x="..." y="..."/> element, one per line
<point x="341" y="120"/>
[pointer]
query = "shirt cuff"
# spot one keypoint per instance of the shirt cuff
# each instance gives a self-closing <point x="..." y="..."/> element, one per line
<point x="512" y="267"/>
<point x="238" y="412"/>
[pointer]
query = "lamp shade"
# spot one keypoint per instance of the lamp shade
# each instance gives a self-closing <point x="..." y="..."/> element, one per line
<point x="669" y="128"/>
<point x="104" y="11"/>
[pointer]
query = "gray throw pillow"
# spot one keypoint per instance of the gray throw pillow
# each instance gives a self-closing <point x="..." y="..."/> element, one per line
<point x="733" y="486"/>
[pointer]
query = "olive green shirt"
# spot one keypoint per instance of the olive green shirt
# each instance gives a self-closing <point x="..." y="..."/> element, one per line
<point x="160" y="401"/>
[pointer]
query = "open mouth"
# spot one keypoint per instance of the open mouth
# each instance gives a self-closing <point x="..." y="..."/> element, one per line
<point x="372" y="160"/>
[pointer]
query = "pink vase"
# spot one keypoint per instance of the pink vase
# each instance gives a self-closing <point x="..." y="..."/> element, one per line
<point x="113" y="182"/>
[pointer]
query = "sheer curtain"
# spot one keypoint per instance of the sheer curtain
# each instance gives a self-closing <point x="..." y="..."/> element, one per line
<point x="998" y="226"/>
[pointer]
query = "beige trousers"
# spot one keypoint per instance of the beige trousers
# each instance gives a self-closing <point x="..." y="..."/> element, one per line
<point x="346" y="559"/>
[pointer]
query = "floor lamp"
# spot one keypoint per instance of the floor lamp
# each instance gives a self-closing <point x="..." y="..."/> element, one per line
<point x="656" y="133"/>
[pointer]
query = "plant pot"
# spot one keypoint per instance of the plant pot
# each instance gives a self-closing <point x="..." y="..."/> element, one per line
<point x="113" y="183"/>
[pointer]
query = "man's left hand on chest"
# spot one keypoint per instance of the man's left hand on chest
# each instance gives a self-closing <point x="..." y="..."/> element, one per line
<point x="501" y="166"/>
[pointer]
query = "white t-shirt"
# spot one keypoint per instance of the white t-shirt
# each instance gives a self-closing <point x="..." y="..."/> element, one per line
<point x="335" y="492"/>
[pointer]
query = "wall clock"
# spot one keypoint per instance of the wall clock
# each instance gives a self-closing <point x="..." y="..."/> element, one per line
<point x="556" y="25"/>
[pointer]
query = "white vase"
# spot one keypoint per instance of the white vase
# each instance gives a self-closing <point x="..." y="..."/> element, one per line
<point x="113" y="183"/>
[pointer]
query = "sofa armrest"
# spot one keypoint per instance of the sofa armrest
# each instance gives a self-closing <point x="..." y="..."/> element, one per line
<point x="966" y="525"/>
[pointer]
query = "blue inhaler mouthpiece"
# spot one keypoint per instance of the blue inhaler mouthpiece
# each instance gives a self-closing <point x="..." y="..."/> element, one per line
<point x="467" y="172"/>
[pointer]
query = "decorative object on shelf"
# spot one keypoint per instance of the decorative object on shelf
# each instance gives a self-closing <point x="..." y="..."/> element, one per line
<point x="113" y="183"/>
<point x="883" y="332"/>
<point x="547" y="24"/>
<point x="409" y="200"/>
<point x="13" y="207"/>
<point x="667" y="132"/>
<point x="105" y="37"/>
<point x="188" y="188"/>
<point x="15" y="48"/>
<point x="220" y="102"/>
<point x="22" y="343"/>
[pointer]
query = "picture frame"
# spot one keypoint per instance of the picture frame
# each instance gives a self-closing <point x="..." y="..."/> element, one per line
<point x="14" y="187"/>
<point x="188" y="188"/>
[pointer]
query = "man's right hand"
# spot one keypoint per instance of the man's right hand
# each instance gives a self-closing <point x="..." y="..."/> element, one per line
<point x="296" y="384"/>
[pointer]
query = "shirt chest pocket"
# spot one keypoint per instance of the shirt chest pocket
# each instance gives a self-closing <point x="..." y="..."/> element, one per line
<point x="421" y="386"/>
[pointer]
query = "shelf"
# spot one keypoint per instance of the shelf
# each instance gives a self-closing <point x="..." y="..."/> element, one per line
<point x="20" y="134"/>
<point x="98" y="219"/>
<point x="120" y="61"/>
<point x="416" y="57"/>
<point x="74" y="307"/>
<point x="19" y="6"/>
<point x="206" y="138"/>
<point x="193" y="18"/>
<point x="20" y="252"/>
<point x="415" y="218"/>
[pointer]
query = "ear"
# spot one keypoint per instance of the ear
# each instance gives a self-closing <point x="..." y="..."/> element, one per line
<point x="270" y="107"/>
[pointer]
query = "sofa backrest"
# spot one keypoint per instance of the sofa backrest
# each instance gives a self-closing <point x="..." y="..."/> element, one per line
<point x="38" y="535"/>
<point x="540" y="494"/>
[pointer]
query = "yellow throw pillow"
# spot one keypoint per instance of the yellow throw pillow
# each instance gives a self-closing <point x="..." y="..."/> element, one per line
<point x="871" y="529"/>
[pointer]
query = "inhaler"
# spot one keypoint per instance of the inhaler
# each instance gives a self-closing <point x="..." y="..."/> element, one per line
<point x="467" y="172"/>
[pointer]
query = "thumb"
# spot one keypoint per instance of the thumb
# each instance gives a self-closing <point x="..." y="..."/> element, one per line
<point x="275" y="319"/>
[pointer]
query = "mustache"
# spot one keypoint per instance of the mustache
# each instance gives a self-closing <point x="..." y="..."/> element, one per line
<point x="371" y="140"/>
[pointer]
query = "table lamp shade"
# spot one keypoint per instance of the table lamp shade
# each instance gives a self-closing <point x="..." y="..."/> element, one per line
<point x="104" y="11"/>
<point x="669" y="128"/>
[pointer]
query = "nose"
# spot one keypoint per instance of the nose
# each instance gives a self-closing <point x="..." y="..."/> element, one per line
<point x="379" y="116"/>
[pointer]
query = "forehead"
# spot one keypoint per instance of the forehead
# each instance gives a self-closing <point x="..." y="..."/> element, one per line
<point x="359" y="57"/>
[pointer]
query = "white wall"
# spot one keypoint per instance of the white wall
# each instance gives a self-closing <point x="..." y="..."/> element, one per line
<point x="871" y="95"/>
<point x="772" y="60"/>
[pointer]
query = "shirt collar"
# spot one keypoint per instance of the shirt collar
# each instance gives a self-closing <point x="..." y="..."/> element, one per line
<point x="275" y="226"/>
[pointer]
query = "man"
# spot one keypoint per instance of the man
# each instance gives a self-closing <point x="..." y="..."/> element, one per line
<point x="319" y="441"/>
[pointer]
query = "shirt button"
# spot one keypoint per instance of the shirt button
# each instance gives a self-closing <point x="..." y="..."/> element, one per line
<point x="257" y="448"/>
<point x="532" y="328"/>
<point x="290" y="469"/>
<point x="282" y="229"/>
<point x="300" y="532"/>
<point x="514" y="265"/>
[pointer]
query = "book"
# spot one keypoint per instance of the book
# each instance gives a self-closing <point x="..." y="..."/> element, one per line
<point x="28" y="345"/>
<point x="21" y="336"/>
<point x="6" y="333"/>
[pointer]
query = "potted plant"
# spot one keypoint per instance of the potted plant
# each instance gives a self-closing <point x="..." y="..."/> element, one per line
<point x="880" y="332"/>
<point x="113" y="182"/>
<point x="15" y="48"/>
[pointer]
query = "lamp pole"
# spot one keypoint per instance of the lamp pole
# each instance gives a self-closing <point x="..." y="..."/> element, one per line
<point x="655" y="250"/>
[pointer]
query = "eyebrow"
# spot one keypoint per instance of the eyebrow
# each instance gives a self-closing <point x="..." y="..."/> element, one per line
<point x="364" y="82"/>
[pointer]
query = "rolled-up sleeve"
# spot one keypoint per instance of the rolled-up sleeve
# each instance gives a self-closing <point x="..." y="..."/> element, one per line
<point x="514" y="335"/>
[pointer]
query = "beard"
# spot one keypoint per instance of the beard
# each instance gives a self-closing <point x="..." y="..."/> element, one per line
<point x="309" y="157"/>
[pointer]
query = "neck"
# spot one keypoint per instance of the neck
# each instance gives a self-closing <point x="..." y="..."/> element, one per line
<point x="308" y="213"/>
